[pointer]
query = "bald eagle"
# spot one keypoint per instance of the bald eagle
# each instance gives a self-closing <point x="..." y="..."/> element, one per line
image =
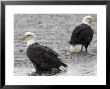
<point x="43" y="58"/>
<point x="82" y="35"/>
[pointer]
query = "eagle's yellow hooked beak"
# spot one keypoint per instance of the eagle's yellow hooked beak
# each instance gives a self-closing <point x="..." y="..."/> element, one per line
<point x="22" y="36"/>
<point x="93" y="19"/>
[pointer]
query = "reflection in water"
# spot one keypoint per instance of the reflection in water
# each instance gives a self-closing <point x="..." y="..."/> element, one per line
<point x="45" y="73"/>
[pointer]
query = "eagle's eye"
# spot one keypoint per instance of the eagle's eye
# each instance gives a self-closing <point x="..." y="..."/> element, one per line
<point x="28" y="35"/>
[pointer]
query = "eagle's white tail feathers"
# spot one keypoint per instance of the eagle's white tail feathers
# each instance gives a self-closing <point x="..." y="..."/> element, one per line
<point x="62" y="68"/>
<point x="76" y="48"/>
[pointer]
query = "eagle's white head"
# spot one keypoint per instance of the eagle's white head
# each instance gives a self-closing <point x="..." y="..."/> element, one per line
<point x="88" y="20"/>
<point x="29" y="37"/>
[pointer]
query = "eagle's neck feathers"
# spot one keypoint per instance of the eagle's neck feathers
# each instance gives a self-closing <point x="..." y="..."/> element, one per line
<point x="30" y="42"/>
<point x="86" y="23"/>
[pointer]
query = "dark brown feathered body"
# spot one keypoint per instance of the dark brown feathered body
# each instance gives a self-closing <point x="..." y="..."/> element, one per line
<point x="43" y="58"/>
<point x="82" y="34"/>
